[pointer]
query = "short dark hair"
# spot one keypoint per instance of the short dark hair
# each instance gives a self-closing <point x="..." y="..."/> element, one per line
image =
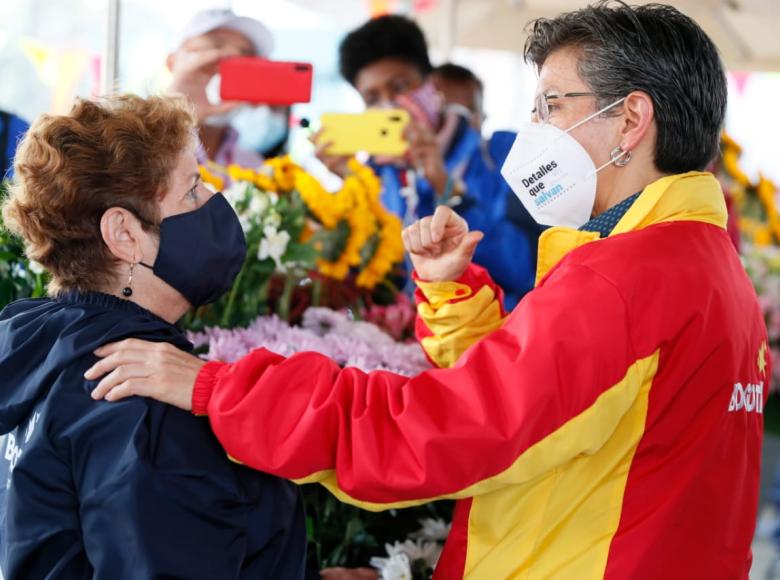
<point x="652" y="48"/>
<point x="458" y="74"/>
<point x="388" y="36"/>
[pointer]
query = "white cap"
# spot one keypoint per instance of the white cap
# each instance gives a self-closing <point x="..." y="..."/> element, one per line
<point x="208" y="20"/>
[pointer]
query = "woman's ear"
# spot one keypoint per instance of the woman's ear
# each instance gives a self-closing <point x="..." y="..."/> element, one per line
<point x="122" y="233"/>
<point x="639" y="115"/>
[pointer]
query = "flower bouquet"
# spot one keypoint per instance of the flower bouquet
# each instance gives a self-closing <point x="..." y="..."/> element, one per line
<point x="19" y="277"/>
<point x="306" y="246"/>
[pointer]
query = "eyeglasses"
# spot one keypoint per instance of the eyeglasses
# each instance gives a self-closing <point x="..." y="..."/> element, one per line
<point x="542" y="104"/>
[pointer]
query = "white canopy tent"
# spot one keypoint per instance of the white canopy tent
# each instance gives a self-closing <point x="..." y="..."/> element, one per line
<point x="745" y="31"/>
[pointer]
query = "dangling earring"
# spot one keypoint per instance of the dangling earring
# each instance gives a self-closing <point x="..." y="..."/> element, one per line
<point x="127" y="292"/>
<point x="619" y="157"/>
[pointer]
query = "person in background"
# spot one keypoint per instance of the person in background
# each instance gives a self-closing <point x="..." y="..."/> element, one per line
<point x="460" y="86"/>
<point x="514" y="226"/>
<point x="108" y="199"/>
<point x="12" y="128"/>
<point x="386" y="61"/>
<point x="229" y="132"/>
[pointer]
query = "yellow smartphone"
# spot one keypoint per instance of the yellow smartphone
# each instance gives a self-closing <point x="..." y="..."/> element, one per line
<point x="377" y="132"/>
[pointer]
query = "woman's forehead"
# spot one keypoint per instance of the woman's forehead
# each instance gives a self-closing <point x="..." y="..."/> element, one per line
<point x="560" y="73"/>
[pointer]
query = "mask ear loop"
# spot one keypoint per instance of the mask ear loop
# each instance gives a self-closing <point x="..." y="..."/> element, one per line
<point x="589" y="117"/>
<point x="594" y="115"/>
<point x="585" y="120"/>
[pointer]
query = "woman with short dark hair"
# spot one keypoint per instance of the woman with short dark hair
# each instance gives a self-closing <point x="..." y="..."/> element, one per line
<point x="108" y="199"/>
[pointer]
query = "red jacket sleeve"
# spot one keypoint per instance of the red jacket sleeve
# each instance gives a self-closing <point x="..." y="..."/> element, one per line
<point x="498" y="417"/>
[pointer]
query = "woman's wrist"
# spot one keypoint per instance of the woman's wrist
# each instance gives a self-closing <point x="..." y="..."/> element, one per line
<point x="204" y="386"/>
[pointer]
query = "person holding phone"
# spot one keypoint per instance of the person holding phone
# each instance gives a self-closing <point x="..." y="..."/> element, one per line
<point x="230" y="132"/>
<point x="386" y="61"/>
<point x="462" y="88"/>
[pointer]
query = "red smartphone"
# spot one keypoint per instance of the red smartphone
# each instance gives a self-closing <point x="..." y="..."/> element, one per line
<point x="259" y="80"/>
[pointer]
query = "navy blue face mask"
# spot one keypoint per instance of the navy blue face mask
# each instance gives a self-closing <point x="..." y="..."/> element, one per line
<point x="201" y="252"/>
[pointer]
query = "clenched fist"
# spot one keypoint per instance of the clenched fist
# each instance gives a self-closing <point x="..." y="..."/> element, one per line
<point x="440" y="246"/>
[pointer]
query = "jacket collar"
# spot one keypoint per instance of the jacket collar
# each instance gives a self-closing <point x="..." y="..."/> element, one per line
<point x="693" y="196"/>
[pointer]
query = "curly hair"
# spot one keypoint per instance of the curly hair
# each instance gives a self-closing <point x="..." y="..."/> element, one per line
<point x="652" y="48"/>
<point x="389" y="36"/>
<point x="69" y="169"/>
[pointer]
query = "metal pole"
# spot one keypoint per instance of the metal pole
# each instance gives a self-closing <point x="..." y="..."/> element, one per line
<point x="449" y="10"/>
<point x="110" y="67"/>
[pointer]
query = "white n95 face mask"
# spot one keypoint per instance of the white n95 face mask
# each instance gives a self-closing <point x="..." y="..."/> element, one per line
<point x="552" y="175"/>
<point x="260" y="128"/>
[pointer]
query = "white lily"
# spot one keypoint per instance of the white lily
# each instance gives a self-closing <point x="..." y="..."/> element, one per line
<point x="273" y="246"/>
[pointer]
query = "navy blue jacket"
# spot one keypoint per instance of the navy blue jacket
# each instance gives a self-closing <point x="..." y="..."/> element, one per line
<point x="12" y="129"/>
<point x="134" y="489"/>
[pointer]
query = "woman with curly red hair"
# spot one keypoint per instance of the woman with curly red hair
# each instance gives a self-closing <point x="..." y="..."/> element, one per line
<point x="108" y="199"/>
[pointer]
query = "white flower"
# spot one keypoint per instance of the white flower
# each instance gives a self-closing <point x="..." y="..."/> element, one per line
<point x="435" y="530"/>
<point x="401" y="556"/>
<point x="273" y="246"/>
<point x="35" y="267"/>
<point x="245" y="222"/>
<point x="258" y="204"/>
<point x="17" y="271"/>
<point x="273" y="219"/>
<point x="396" y="567"/>
<point x="428" y="552"/>
<point x="236" y="192"/>
<point x="273" y="197"/>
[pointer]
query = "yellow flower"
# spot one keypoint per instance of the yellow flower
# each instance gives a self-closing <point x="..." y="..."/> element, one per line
<point x="762" y="236"/>
<point x="766" y="191"/>
<point x="731" y="154"/>
<point x="357" y="203"/>
<point x="284" y="171"/>
<point x="238" y="173"/>
<point x="212" y="179"/>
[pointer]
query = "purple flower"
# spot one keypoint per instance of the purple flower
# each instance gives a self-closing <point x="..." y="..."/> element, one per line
<point x="333" y="334"/>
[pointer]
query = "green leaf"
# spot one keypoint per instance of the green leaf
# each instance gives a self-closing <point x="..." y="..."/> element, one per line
<point x="303" y="254"/>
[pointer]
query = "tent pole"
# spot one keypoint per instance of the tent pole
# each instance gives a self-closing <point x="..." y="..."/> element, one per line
<point x="448" y="29"/>
<point x="110" y="67"/>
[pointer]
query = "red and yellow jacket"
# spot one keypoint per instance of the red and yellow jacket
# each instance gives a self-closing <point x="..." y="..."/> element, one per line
<point x="610" y="426"/>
